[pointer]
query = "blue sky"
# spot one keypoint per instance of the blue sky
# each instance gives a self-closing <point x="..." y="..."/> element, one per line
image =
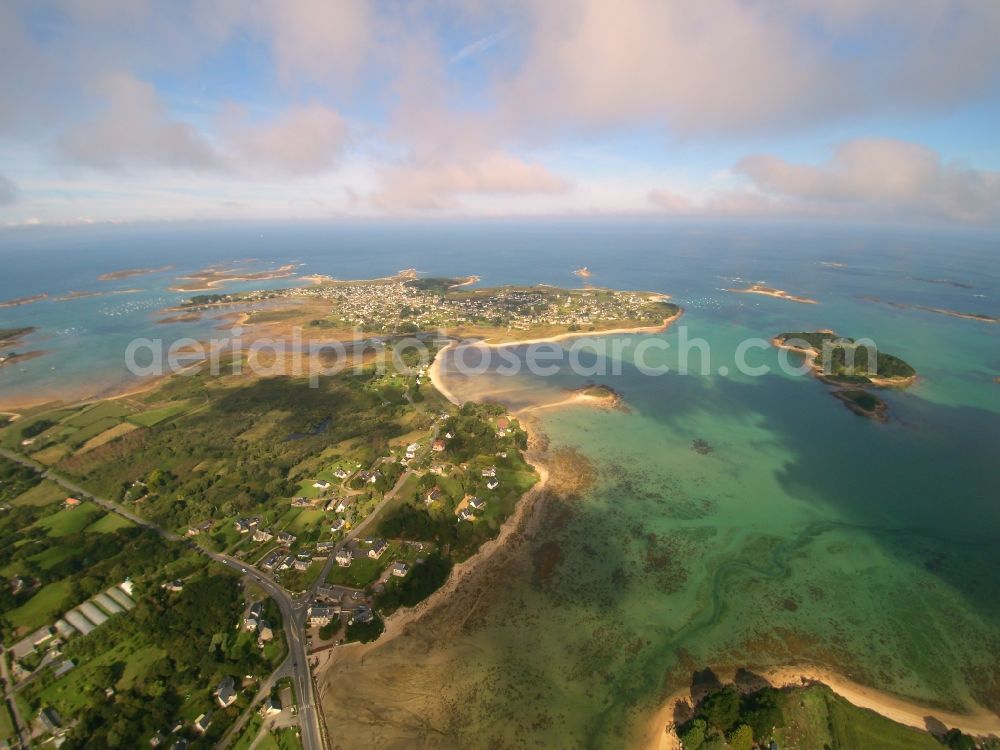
<point x="132" y="110"/>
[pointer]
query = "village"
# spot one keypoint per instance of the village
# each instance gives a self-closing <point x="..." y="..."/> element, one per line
<point x="405" y="305"/>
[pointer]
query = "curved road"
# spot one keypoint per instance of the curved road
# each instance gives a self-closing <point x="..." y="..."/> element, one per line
<point x="293" y="611"/>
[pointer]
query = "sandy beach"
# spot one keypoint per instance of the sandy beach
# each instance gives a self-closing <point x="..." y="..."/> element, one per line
<point x="980" y="722"/>
<point x="776" y="293"/>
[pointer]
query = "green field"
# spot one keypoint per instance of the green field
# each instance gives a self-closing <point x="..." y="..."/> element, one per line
<point x="162" y="414"/>
<point x="107" y="523"/>
<point x="70" y="520"/>
<point x="42" y="609"/>
<point x="41" y="494"/>
<point x="363" y="572"/>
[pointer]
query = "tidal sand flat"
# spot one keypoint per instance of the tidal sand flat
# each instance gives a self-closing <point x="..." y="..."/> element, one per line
<point x="660" y="559"/>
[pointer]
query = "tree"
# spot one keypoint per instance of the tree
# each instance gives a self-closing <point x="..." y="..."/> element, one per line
<point x="722" y="709"/>
<point x="741" y="738"/>
<point x="693" y="736"/>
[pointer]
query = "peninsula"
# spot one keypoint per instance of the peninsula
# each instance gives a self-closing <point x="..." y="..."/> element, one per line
<point x="768" y="291"/>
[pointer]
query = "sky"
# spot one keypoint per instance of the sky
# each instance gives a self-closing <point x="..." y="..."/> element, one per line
<point x="184" y="110"/>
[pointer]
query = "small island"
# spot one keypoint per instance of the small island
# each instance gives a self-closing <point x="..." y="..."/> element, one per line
<point x="583" y="273"/>
<point x="13" y="336"/>
<point x="126" y="273"/>
<point x="981" y="317"/>
<point x="17" y="302"/>
<point x="213" y="277"/>
<point x="768" y="291"/>
<point x="841" y="362"/>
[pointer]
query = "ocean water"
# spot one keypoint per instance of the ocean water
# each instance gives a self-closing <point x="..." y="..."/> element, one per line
<point x="806" y="535"/>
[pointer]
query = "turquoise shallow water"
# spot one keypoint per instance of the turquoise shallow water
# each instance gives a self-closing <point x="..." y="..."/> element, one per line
<point x="807" y="534"/>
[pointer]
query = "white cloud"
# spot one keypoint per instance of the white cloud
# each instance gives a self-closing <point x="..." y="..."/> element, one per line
<point x="302" y="140"/>
<point x="731" y="66"/>
<point x="439" y="186"/>
<point x="881" y="176"/>
<point x="318" y="39"/>
<point x="135" y="129"/>
<point x="864" y="178"/>
<point x="8" y="191"/>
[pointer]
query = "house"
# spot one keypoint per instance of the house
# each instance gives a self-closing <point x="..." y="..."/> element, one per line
<point x="321" y="484"/>
<point x="264" y="632"/>
<point x="490" y="471"/>
<point x="449" y="435"/>
<point x="301" y="502"/>
<point x="262" y="535"/>
<point x="204" y="526"/>
<point x="362" y="614"/>
<point x="326" y="547"/>
<point x="62" y="669"/>
<point x="411" y="450"/>
<point x="374" y="477"/>
<point x="270" y="560"/>
<point x="71" y="502"/>
<point x="252" y="617"/>
<point x="344" y="504"/>
<point x="340" y="474"/>
<point x="503" y="424"/>
<point x="18" y="584"/>
<point x="320" y="616"/>
<point x="285" y="538"/>
<point x="51" y="720"/>
<point x="271" y="707"/>
<point x="175" y="585"/>
<point x="246" y="525"/>
<point x="226" y="692"/>
<point x="302" y="565"/>
<point x="466" y="514"/>
<point x="399" y="569"/>
<point x="344" y="557"/>
<point x="492" y="484"/>
<point x="476" y="503"/>
<point x="331" y="506"/>
<point x="433" y="496"/>
<point x="202" y="723"/>
<point x="438" y="469"/>
<point x="438" y="445"/>
<point x="338" y="525"/>
<point x="329" y="593"/>
<point x="157" y="739"/>
<point x="181" y="744"/>
<point x="379" y="546"/>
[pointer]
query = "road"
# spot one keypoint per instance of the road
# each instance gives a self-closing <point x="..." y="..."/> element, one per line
<point x="23" y="735"/>
<point x="293" y="611"/>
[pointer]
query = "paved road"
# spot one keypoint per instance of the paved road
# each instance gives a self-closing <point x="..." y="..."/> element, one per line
<point x="23" y="735"/>
<point x="293" y="611"/>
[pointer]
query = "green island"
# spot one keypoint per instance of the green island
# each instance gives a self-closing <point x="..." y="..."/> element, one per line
<point x="749" y="715"/>
<point x="403" y="304"/>
<point x="843" y="362"/>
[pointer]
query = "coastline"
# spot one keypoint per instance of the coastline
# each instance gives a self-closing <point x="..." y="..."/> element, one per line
<point x="659" y="734"/>
<point x="398" y="622"/>
<point x="817" y="371"/>
<point x="555" y="338"/>
<point x="436" y="375"/>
